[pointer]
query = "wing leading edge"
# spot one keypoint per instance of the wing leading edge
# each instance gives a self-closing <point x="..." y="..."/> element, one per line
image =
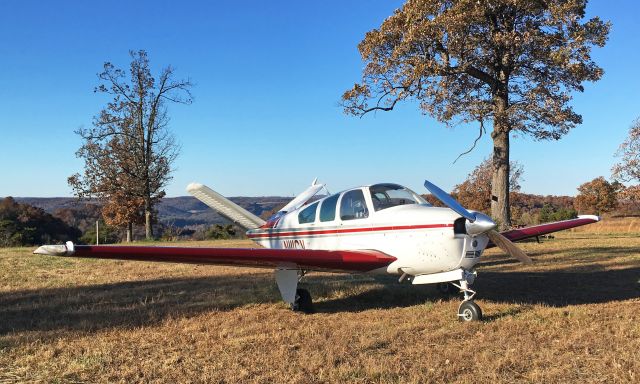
<point x="356" y="261"/>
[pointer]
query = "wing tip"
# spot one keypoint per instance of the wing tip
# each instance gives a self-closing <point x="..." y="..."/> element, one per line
<point x="595" y="218"/>
<point x="194" y="186"/>
<point x="66" y="249"/>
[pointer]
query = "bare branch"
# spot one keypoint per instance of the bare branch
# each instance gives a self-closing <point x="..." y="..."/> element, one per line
<point x="481" y="132"/>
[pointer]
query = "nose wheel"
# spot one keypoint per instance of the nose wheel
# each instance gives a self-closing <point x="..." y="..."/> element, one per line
<point x="469" y="311"/>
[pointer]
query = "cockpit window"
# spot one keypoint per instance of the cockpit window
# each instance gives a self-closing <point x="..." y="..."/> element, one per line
<point x="353" y="206"/>
<point x="386" y="196"/>
<point x="308" y="215"/>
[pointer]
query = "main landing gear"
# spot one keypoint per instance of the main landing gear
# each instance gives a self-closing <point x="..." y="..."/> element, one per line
<point x="303" y="302"/>
<point x="298" y="298"/>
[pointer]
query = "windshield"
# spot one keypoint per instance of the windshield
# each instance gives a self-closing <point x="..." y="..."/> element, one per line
<point x="391" y="195"/>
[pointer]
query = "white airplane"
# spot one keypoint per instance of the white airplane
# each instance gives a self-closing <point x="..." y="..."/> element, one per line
<point x="380" y="228"/>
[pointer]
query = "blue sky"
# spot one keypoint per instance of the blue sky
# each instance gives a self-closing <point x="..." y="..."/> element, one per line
<point x="266" y="119"/>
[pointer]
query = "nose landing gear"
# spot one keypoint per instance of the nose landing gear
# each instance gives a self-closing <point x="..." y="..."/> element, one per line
<point x="468" y="310"/>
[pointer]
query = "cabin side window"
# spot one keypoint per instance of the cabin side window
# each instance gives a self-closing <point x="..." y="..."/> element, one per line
<point x="353" y="206"/>
<point x="308" y="215"/>
<point x="328" y="208"/>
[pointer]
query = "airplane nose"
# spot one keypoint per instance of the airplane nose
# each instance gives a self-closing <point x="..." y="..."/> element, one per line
<point x="480" y="225"/>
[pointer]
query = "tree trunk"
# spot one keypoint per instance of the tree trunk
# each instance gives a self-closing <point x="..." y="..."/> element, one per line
<point x="500" y="210"/>
<point x="500" y="180"/>
<point x="129" y="232"/>
<point x="148" y="220"/>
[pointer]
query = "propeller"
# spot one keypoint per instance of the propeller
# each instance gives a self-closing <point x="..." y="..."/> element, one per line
<point x="478" y="223"/>
<point x="507" y="246"/>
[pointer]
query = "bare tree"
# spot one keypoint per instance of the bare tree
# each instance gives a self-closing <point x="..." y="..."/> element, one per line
<point x="514" y="62"/>
<point x="129" y="150"/>
<point x="628" y="169"/>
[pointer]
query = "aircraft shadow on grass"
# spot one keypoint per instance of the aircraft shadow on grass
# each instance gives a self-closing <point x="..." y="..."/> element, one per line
<point x="586" y="254"/>
<point x="554" y="288"/>
<point x="138" y="303"/>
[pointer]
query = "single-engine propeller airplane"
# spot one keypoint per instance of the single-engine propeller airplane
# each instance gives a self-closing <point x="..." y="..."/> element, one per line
<point x="379" y="228"/>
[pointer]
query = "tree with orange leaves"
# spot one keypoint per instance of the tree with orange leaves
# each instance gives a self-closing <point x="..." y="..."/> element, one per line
<point x="597" y="196"/>
<point x="123" y="211"/>
<point x="512" y="62"/>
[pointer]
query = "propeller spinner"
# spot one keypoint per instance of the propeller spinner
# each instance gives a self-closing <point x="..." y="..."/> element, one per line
<point x="478" y="223"/>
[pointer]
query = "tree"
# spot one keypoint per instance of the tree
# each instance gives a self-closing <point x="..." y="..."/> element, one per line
<point x="220" y="232"/>
<point x="514" y="62"/>
<point x="597" y="196"/>
<point x="121" y="211"/>
<point x="129" y="151"/>
<point x="107" y="234"/>
<point x="83" y="216"/>
<point x="551" y="213"/>
<point x="630" y="196"/>
<point x="628" y="169"/>
<point x="475" y="192"/>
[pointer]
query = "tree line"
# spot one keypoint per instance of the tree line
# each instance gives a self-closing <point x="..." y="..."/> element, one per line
<point x="598" y="196"/>
<point x="23" y="224"/>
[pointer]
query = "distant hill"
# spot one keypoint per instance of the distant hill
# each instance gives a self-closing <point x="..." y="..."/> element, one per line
<point x="176" y="211"/>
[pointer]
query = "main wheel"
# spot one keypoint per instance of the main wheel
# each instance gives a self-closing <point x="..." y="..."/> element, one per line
<point x="303" y="301"/>
<point x="469" y="311"/>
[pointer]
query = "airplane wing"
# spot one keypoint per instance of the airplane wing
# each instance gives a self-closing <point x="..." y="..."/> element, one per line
<point x="543" y="229"/>
<point x="350" y="261"/>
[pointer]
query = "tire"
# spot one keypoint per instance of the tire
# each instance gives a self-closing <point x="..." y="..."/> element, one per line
<point x="303" y="302"/>
<point x="469" y="311"/>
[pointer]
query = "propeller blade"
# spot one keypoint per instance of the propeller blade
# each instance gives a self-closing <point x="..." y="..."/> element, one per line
<point x="510" y="248"/>
<point x="449" y="201"/>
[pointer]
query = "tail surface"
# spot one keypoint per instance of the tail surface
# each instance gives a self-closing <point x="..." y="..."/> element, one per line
<point x="225" y="207"/>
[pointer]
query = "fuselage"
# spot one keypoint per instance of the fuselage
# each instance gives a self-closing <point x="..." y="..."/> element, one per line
<point x="384" y="217"/>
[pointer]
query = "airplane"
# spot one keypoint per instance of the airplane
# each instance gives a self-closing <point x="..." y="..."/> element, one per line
<point x="380" y="229"/>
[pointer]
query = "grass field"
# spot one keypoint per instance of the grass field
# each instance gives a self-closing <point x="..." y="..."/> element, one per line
<point x="572" y="316"/>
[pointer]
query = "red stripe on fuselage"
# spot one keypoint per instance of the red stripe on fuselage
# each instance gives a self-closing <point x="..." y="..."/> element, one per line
<point x="344" y="231"/>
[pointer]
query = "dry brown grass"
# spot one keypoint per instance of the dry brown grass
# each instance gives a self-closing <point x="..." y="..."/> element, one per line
<point x="612" y="225"/>
<point x="573" y="316"/>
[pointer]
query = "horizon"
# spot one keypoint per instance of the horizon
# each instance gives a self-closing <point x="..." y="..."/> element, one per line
<point x="239" y="196"/>
<point x="268" y="81"/>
